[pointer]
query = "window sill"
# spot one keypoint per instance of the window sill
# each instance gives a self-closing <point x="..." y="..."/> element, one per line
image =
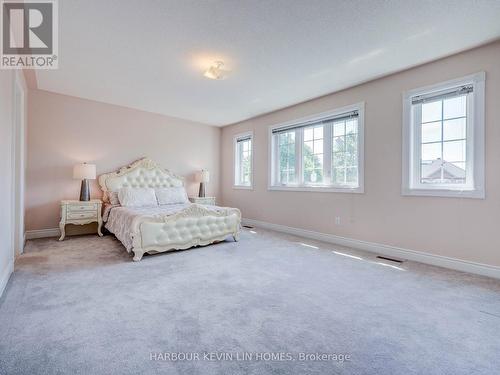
<point x="444" y="193"/>
<point x="318" y="189"/>
<point x="242" y="187"/>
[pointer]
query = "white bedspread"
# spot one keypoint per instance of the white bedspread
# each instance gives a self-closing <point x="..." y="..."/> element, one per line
<point x="123" y="221"/>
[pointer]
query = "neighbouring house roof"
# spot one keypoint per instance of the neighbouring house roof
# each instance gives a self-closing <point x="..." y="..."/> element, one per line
<point x="433" y="170"/>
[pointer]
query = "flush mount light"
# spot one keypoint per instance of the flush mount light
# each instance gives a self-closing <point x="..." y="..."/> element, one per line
<point x="216" y="71"/>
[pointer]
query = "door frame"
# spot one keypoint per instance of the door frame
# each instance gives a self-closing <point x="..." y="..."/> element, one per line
<point x="18" y="160"/>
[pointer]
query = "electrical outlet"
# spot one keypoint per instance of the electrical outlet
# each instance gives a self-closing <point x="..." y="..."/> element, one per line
<point x="337" y="220"/>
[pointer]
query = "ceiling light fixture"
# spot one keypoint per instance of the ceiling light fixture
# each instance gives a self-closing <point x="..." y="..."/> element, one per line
<point x="216" y="71"/>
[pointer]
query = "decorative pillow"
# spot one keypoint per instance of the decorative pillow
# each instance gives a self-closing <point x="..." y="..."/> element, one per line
<point x="171" y="195"/>
<point x="137" y="197"/>
<point x="113" y="198"/>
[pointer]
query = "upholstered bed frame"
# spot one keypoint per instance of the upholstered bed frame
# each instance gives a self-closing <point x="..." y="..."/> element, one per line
<point x="195" y="225"/>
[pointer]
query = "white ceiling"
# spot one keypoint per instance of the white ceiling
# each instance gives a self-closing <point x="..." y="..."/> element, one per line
<point x="150" y="55"/>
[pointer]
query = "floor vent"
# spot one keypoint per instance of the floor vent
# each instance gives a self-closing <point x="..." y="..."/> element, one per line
<point x="390" y="259"/>
<point x="247" y="226"/>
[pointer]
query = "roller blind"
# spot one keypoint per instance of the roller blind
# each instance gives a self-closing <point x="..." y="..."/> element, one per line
<point x="243" y="139"/>
<point x="443" y="94"/>
<point x="322" y="121"/>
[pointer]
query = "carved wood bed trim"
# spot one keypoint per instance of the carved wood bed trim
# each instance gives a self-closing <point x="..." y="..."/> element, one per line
<point x="141" y="173"/>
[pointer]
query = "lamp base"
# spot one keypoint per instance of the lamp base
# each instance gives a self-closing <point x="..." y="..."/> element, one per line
<point x="201" y="193"/>
<point x="85" y="191"/>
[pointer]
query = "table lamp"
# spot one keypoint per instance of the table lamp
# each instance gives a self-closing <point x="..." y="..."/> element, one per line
<point x="203" y="178"/>
<point x="84" y="172"/>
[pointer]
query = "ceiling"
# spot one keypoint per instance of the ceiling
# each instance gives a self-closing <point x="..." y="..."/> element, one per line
<point x="151" y="55"/>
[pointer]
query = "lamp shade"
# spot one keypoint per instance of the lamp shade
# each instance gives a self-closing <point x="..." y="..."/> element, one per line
<point x="84" y="171"/>
<point x="203" y="176"/>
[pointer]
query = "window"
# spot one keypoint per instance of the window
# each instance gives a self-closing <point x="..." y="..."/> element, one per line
<point x="287" y="157"/>
<point x="243" y="161"/>
<point x="345" y="152"/>
<point x="319" y="153"/>
<point x="443" y="139"/>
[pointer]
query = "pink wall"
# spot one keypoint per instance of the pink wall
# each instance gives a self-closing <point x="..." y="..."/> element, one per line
<point x="65" y="130"/>
<point x="459" y="228"/>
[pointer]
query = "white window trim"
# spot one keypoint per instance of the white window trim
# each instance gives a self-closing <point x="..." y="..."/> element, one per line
<point x="478" y="191"/>
<point x="360" y="107"/>
<point x="235" y="158"/>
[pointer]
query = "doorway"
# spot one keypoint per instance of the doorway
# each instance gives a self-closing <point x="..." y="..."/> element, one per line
<point x="18" y="161"/>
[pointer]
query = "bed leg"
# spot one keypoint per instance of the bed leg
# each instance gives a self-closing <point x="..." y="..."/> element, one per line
<point x="236" y="237"/>
<point x="138" y="256"/>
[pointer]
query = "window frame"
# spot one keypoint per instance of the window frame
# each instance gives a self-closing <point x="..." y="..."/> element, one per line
<point x="474" y="142"/>
<point x="273" y="150"/>
<point x="237" y="162"/>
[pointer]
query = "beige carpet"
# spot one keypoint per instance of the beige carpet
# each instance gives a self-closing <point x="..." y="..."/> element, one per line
<point x="255" y="307"/>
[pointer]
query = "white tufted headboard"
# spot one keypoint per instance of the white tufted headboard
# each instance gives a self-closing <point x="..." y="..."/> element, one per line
<point x="141" y="173"/>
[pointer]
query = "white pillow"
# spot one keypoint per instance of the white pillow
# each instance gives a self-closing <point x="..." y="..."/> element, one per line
<point x="137" y="197"/>
<point x="171" y="195"/>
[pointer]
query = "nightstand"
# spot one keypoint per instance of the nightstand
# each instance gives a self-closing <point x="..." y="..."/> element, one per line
<point x="209" y="201"/>
<point x="80" y="213"/>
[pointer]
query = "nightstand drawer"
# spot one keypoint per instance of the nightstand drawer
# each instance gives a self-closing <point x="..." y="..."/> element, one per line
<point x="82" y="215"/>
<point x="82" y="207"/>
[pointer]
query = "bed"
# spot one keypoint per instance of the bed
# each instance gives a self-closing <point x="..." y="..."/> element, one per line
<point x="163" y="227"/>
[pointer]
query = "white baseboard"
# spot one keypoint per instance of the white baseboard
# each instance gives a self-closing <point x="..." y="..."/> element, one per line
<point x="5" y="276"/>
<point x="391" y="251"/>
<point x="42" y="233"/>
